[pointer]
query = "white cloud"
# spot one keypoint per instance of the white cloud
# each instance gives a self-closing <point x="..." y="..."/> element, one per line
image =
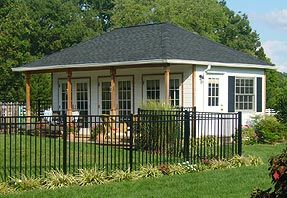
<point x="277" y="51"/>
<point x="277" y="19"/>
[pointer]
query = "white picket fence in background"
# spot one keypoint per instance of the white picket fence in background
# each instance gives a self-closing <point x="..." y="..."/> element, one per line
<point x="270" y="112"/>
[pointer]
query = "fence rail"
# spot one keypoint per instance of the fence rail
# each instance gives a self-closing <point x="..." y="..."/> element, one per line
<point x="33" y="145"/>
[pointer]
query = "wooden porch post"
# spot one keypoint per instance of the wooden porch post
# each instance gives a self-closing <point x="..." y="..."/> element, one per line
<point x="28" y="96"/>
<point x="69" y="93"/>
<point x="166" y="82"/>
<point x="113" y="92"/>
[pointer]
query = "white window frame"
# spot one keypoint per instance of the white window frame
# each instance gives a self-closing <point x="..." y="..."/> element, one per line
<point x="162" y="86"/>
<point x="125" y="78"/>
<point x="108" y="80"/>
<point x="213" y="91"/>
<point x="74" y="93"/>
<point x="253" y="95"/>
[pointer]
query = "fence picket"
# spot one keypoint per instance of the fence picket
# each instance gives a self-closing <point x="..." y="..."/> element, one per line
<point x="42" y="143"/>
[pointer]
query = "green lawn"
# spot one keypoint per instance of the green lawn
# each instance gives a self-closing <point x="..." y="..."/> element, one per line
<point x="33" y="156"/>
<point x="24" y="154"/>
<point x="237" y="182"/>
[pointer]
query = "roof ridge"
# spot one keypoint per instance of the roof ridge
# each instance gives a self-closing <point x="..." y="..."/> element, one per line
<point x="139" y="25"/>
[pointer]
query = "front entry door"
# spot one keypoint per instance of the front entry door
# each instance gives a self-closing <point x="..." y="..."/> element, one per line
<point x="80" y="96"/>
<point x="214" y="93"/>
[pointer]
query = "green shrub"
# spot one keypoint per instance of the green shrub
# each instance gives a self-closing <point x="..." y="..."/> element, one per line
<point x="5" y="188"/>
<point x="149" y="171"/>
<point x="25" y="183"/>
<point x="269" y="130"/>
<point x="154" y="105"/>
<point x="249" y="136"/>
<point x="56" y="179"/>
<point x="90" y="177"/>
<point x="120" y="175"/>
<point x="255" y="161"/>
<point x="177" y="169"/>
<point x="281" y="109"/>
<point x="160" y="127"/>
<point x="238" y="161"/>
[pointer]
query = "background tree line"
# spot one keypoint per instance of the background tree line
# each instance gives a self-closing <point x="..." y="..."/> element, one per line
<point x="31" y="29"/>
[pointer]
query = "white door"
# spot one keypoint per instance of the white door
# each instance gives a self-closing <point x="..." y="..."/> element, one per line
<point x="124" y="90"/>
<point x="80" y="96"/>
<point x="214" y="92"/>
<point x="125" y="95"/>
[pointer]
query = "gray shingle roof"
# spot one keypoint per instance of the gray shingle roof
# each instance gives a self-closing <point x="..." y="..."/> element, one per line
<point x="146" y="42"/>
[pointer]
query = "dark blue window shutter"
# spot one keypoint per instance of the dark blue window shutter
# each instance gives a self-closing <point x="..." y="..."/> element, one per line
<point x="231" y="93"/>
<point x="259" y="95"/>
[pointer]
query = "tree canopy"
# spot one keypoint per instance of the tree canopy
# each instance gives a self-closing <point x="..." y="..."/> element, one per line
<point x="30" y="29"/>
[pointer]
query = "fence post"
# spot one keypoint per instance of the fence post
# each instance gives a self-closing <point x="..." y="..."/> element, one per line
<point x="131" y="123"/>
<point x="39" y="109"/>
<point x="194" y="122"/>
<point x="186" y="135"/>
<point x="64" y="143"/>
<point x="240" y="133"/>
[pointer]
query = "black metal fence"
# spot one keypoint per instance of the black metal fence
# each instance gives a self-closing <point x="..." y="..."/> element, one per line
<point x="33" y="145"/>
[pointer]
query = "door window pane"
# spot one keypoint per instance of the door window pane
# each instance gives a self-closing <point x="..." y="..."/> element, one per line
<point x="213" y="92"/>
<point x="153" y="90"/>
<point x="106" y="97"/>
<point x="174" y="92"/>
<point x="124" y="97"/>
<point x="82" y="98"/>
<point x="64" y="105"/>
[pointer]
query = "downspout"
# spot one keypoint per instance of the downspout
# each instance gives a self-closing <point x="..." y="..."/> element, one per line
<point x="207" y="69"/>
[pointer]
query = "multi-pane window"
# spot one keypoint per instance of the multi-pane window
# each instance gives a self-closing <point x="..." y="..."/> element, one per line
<point x="153" y="90"/>
<point x="82" y="98"/>
<point x="213" y="92"/>
<point x="244" y="93"/>
<point x="174" y="92"/>
<point x="106" y="97"/>
<point x="124" y="97"/>
<point x="64" y="97"/>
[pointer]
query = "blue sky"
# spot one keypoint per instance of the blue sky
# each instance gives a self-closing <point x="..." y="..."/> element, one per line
<point x="269" y="19"/>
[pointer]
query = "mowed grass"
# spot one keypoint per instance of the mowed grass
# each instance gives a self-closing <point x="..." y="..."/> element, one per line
<point x="237" y="182"/>
<point x="33" y="156"/>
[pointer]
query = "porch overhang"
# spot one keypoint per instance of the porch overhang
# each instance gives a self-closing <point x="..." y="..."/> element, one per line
<point x="129" y="64"/>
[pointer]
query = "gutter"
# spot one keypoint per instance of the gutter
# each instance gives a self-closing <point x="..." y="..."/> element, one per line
<point x="141" y="62"/>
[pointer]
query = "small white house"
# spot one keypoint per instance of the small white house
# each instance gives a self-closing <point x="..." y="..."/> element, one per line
<point x="119" y="70"/>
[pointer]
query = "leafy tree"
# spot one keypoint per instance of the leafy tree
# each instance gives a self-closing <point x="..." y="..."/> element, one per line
<point x="15" y="28"/>
<point x="205" y="17"/>
<point x="30" y="29"/>
<point x="103" y="7"/>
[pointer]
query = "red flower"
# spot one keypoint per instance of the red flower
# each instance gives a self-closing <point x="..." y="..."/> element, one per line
<point x="276" y="176"/>
<point x="282" y="169"/>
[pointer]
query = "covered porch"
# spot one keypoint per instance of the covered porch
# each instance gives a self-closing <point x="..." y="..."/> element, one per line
<point x="115" y="90"/>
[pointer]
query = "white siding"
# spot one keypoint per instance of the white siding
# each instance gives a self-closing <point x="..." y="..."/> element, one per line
<point x="201" y="87"/>
<point x="187" y="92"/>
